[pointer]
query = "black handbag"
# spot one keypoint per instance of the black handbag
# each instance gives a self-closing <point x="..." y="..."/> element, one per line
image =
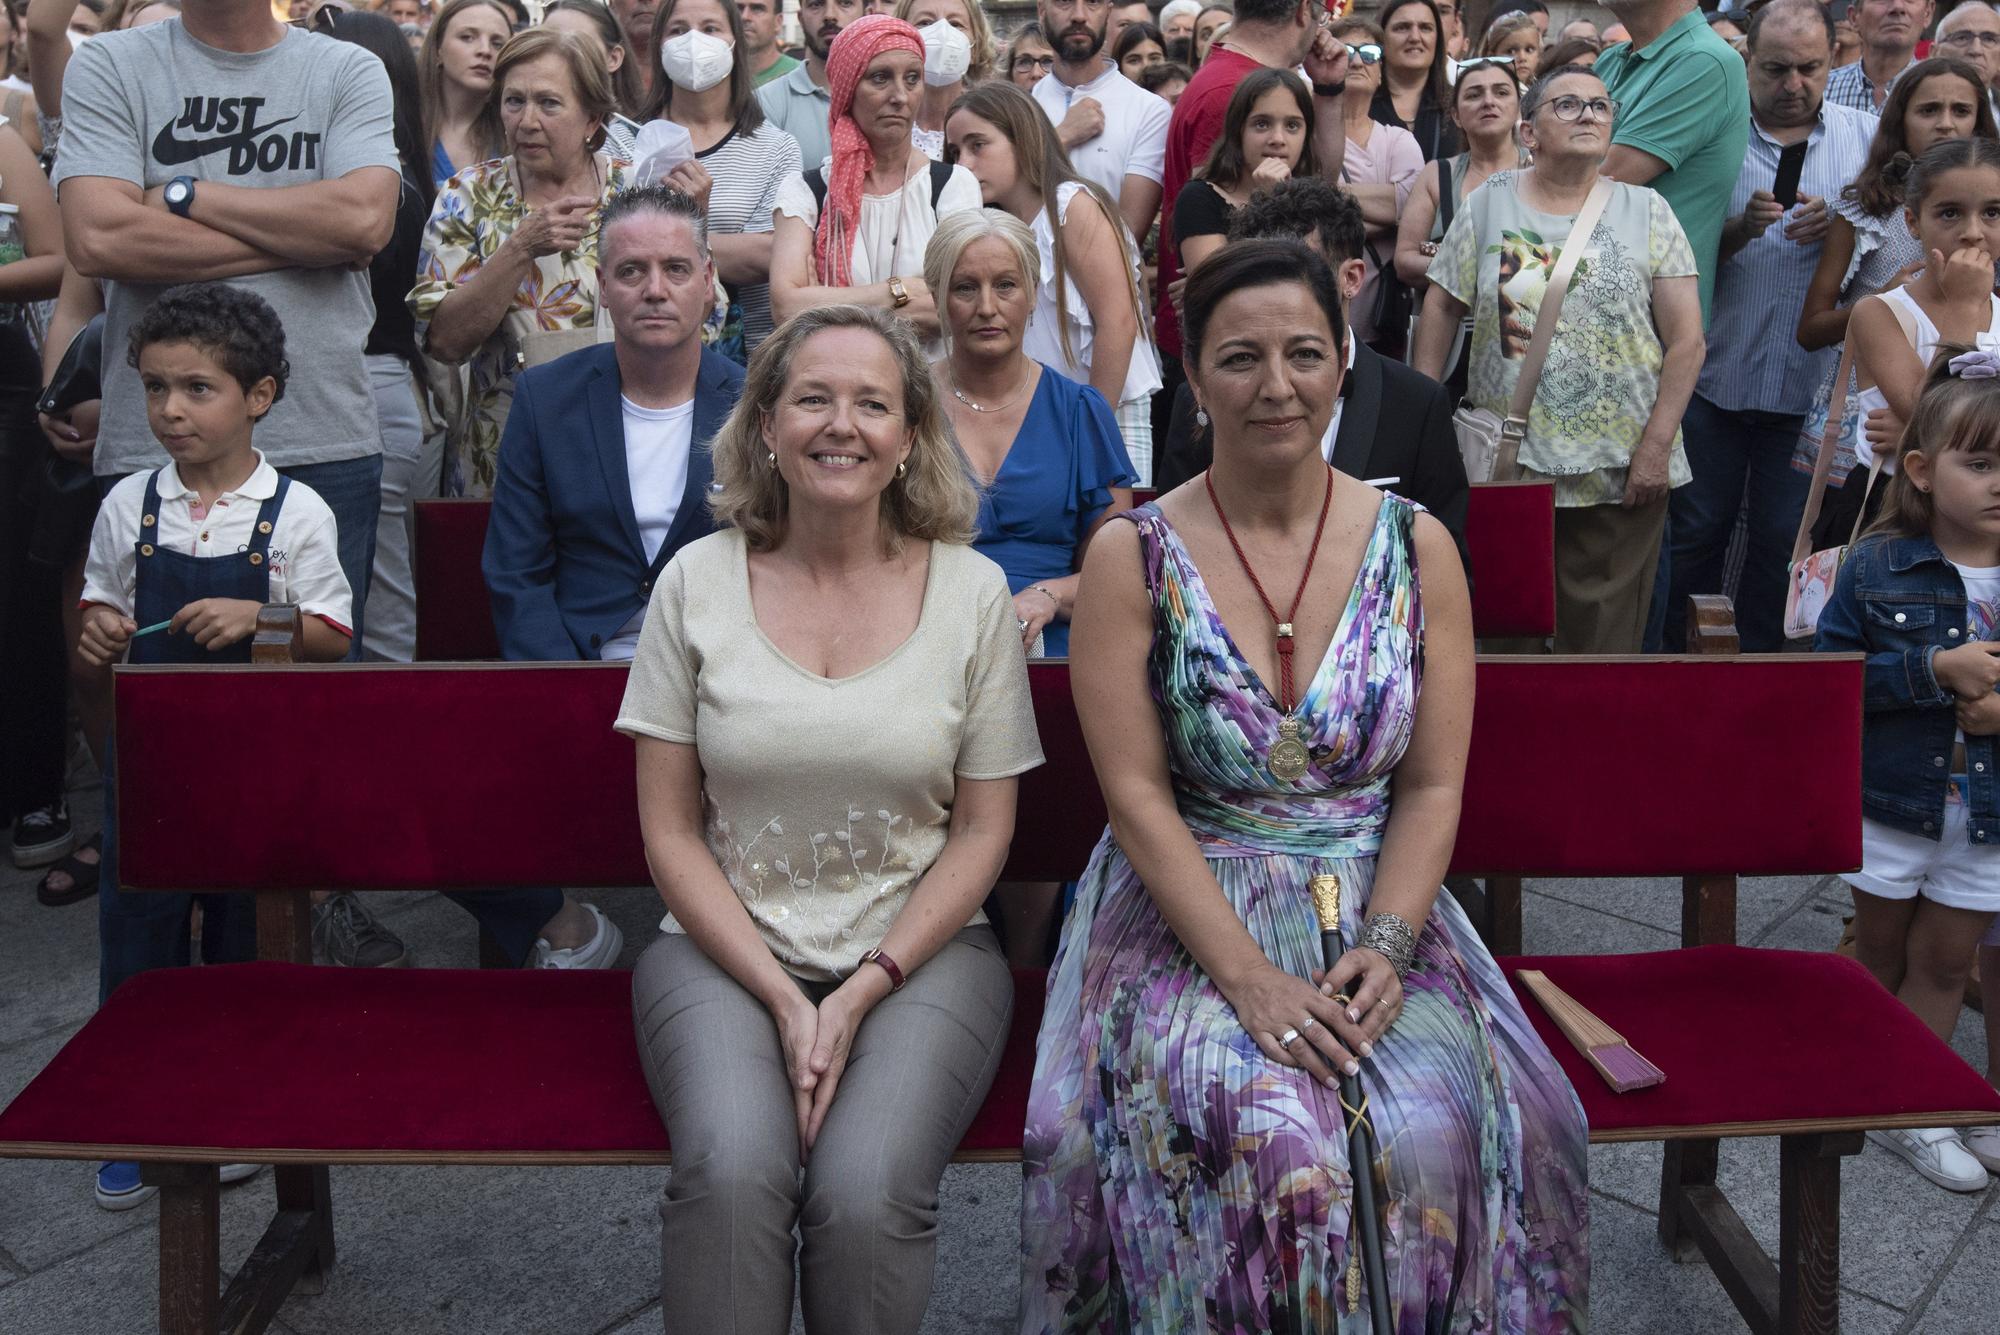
<point x="69" y="492"/>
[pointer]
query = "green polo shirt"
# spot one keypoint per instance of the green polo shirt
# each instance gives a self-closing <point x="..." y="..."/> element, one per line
<point x="780" y="67"/>
<point x="1686" y="100"/>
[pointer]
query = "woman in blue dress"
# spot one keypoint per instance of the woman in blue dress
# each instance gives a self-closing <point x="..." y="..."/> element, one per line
<point x="1045" y="450"/>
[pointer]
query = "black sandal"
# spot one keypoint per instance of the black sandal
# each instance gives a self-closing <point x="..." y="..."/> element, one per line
<point x="82" y="875"/>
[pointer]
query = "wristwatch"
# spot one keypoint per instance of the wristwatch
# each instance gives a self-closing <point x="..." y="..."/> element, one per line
<point x="179" y="195"/>
<point x="1330" y="89"/>
<point x="898" y="294"/>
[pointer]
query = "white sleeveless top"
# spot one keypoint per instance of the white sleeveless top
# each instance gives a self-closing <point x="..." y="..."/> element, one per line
<point x="1913" y="320"/>
<point x="1043" y="341"/>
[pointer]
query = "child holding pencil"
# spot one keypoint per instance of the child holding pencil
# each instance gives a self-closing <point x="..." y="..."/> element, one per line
<point x="181" y="560"/>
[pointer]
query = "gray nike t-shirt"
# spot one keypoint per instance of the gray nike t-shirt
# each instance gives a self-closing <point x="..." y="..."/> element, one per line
<point x="152" y="103"/>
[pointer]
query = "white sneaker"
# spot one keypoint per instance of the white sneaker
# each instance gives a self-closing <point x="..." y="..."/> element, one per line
<point x="1984" y="1144"/>
<point x="600" y="952"/>
<point x="232" y="1173"/>
<point x="1938" y="1154"/>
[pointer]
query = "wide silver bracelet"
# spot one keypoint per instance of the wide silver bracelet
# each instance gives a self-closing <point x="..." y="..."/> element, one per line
<point x="1393" y="939"/>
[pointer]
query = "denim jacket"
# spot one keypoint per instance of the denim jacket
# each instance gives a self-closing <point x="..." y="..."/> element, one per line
<point x="1899" y="601"/>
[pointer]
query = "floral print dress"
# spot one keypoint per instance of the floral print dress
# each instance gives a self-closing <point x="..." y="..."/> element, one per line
<point x="1179" y="1181"/>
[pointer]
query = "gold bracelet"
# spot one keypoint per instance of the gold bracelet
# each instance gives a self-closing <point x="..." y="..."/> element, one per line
<point x="1049" y="594"/>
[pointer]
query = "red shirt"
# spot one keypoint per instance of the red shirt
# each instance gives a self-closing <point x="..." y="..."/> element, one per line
<point x="1198" y="118"/>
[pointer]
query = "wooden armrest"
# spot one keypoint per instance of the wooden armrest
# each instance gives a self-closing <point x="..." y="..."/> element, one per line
<point x="1711" y="625"/>
<point x="280" y="636"/>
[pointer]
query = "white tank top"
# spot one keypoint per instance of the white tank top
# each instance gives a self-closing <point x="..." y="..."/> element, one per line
<point x="1914" y="321"/>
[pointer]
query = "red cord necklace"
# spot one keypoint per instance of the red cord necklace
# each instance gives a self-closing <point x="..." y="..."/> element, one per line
<point x="1287" y="758"/>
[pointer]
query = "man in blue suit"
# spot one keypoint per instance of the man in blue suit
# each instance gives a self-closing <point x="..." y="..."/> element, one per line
<point x="604" y="465"/>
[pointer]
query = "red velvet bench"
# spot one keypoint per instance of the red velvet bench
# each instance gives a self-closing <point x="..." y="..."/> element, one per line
<point x="1510" y="534"/>
<point x="1579" y="767"/>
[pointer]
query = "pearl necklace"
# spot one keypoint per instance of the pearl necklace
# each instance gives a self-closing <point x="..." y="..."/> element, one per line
<point x="1020" y="389"/>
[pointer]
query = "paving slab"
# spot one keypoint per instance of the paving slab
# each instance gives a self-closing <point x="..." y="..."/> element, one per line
<point x="1968" y="1301"/>
<point x="1555" y="927"/>
<point x="1656" y="900"/>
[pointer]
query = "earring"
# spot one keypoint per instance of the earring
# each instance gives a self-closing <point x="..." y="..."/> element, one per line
<point x="771" y="458"/>
<point x="1201" y="417"/>
<point x="901" y="469"/>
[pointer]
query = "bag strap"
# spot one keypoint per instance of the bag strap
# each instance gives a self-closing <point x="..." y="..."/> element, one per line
<point x="1552" y="300"/>
<point x="1836" y="409"/>
<point x="940" y="178"/>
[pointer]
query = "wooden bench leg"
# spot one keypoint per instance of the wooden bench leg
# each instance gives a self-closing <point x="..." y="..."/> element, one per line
<point x="1809" y="1230"/>
<point x="1503" y="910"/>
<point x="1708" y="911"/>
<point x="190" y="1246"/>
<point x="1687" y="1164"/>
<point x="295" y="1253"/>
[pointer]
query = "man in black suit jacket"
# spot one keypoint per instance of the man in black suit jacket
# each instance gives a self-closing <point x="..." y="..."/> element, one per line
<point x="1392" y="423"/>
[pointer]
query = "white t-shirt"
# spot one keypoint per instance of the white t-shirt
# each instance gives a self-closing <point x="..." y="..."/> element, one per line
<point x="894" y="229"/>
<point x="304" y="556"/>
<point x="1044" y="337"/>
<point x="657" y="442"/>
<point x="1134" y="139"/>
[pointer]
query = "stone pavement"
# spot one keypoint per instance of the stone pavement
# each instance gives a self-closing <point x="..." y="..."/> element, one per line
<point x="574" y="1251"/>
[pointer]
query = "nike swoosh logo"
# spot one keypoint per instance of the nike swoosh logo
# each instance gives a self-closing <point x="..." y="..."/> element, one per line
<point x="171" y="152"/>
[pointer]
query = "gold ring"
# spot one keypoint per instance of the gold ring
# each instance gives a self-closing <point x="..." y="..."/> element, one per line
<point x="1343" y="999"/>
<point x="1383" y="1001"/>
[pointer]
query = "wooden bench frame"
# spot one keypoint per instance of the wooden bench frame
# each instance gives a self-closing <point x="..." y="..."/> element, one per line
<point x="1799" y="1293"/>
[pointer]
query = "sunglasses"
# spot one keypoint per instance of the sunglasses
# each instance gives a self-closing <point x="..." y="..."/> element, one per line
<point x="1367" y="53"/>
<point x="1454" y="70"/>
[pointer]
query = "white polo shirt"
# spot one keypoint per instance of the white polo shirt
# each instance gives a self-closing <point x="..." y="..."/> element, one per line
<point x="1134" y="139"/>
<point x="304" y="557"/>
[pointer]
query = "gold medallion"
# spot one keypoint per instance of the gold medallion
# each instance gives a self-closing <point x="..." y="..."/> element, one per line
<point x="1288" y="759"/>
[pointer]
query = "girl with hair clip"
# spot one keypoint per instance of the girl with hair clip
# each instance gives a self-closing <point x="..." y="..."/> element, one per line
<point x="1920" y="596"/>
<point x="1090" y="315"/>
<point x="1951" y="204"/>
<point x="1869" y="248"/>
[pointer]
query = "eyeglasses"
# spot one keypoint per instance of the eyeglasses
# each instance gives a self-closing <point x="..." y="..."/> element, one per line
<point x="1569" y="109"/>
<point x="1042" y="63"/>
<point x="1367" y="53"/>
<point x="1989" y="40"/>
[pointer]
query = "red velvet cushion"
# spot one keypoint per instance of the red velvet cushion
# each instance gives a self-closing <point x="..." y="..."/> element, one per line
<point x="363" y="1064"/>
<point x="454" y="611"/>
<point x="1510" y="538"/>
<point x="1755" y="1037"/>
<point x="450" y="777"/>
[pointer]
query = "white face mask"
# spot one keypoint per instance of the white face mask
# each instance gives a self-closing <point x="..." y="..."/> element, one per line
<point x="697" y="61"/>
<point x="947" y="53"/>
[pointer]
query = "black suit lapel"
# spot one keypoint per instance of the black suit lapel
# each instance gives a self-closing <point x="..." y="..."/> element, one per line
<point x="1359" y="415"/>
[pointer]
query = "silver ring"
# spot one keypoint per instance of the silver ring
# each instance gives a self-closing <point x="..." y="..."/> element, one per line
<point x="1022" y="622"/>
<point x="1383" y="1001"/>
<point x="1307" y="1023"/>
<point x="1286" y="1039"/>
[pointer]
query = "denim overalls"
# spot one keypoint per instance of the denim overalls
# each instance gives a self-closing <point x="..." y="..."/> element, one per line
<point x="1900" y="602"/>
<point x="149" y="930"/>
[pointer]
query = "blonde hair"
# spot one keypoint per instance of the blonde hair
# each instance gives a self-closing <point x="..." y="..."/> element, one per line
<point x="977" y="29"/>
<point x="956" y="231"/>
<point x="935" y="499"/>
<point x="585" y="60"/>
<point x="1504" y="27"/>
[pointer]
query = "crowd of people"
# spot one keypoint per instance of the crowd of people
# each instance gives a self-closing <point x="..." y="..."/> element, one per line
<point x="820" y="382"/>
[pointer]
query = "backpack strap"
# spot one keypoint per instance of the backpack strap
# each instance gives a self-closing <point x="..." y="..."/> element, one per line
<point x="940" y="178"/>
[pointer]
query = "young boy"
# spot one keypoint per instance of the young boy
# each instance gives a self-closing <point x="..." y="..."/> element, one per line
<point x="181" y="560"/>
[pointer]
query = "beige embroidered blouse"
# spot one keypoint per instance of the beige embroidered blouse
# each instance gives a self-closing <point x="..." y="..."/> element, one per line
<point x="827" y="801"/>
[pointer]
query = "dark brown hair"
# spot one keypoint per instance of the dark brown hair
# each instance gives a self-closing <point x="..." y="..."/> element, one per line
<point x="1879" y="187"/>
<point x="1226" y="165"/>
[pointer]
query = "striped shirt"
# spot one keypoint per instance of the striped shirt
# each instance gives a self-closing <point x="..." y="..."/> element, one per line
<point x="1849" y="86"/>
<point x="1755" y="363"/>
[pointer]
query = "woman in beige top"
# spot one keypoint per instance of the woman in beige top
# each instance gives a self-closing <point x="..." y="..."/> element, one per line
<point x="831" y="709"/>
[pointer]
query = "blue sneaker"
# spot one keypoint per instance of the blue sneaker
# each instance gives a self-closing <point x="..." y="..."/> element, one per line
<point x="119" y="1188"/>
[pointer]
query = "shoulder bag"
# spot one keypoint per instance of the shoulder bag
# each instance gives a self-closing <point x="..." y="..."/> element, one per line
<point x="1810" y="576"/>
<point x="1489" y="443"/>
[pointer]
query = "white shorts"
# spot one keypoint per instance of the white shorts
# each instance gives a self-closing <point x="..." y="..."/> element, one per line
<point x="1952" y="870"/>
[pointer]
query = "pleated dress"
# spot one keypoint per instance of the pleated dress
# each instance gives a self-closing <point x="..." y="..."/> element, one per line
<point x="1176" y="1179"/>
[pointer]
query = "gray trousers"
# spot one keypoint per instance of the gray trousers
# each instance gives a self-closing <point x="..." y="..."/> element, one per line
<point x="866" y="1203"/>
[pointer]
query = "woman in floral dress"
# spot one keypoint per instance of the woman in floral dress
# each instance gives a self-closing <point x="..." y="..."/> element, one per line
<point x="1187" y="1164"/>
<point x="511" y="249"/>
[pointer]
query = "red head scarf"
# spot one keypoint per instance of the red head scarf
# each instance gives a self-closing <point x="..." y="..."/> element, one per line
<point x="858" y="44"/>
